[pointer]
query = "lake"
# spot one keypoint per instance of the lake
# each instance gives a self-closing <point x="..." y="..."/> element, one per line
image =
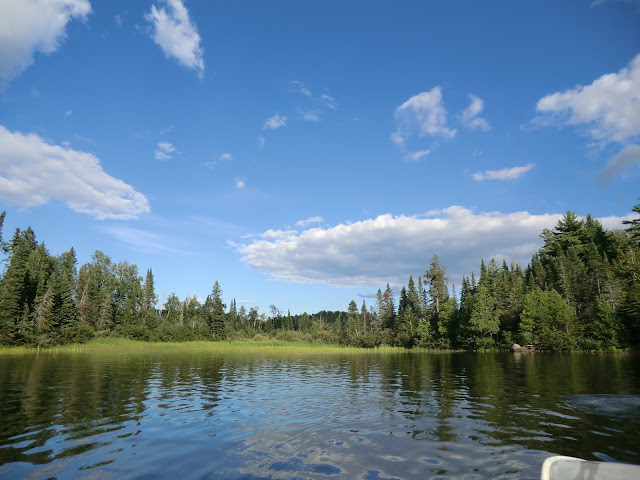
<point x="194" y="414"/>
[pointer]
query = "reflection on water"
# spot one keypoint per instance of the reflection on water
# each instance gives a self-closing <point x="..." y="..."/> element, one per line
<point x="205" y="415"/>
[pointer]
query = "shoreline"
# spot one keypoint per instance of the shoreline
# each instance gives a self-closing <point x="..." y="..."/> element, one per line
<point x="263" y="345"/>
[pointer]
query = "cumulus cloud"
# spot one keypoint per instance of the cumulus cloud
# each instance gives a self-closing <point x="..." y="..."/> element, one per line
<point x="29" y="26"/>
<point x="239" y="183"/>
<point x="417" y="156"/>
<point x="390" y="248"/>
<point x="423" y="114"/>
<point x="274" y="122"/>
<point x="164" y="151"/>
<point x="609" y="108"/>
<point x="504" y="174"/>
<point x="33" y="172"/>
<point x="176" y="34"/>
<point x="628" y="156"/>
<point x="469" y="116"/>
<point x="309" y="221"/>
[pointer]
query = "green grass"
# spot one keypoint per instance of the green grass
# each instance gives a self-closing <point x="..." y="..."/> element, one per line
<point x="117" y="345"/>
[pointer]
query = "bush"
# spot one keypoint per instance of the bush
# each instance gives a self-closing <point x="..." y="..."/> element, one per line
<point x="78" y="333"/>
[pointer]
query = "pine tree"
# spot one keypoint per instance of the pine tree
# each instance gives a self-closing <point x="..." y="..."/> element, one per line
<point x="214" y="307"/>
<point x="435" y="278"/>
<point x="17" y="291"/>
<point x="363" y="315"/>
<point x="633" y="230"/>
<point x="149" y="297"/>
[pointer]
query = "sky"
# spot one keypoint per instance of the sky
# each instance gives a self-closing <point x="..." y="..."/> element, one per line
<point x="304" y="154"/>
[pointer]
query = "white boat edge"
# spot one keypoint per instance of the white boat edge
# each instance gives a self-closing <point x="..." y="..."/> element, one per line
<point x="578" y="469"/>
<point x="545" y="474"/>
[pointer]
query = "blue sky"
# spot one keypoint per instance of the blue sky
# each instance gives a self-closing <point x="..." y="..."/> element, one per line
<point x="306" y="153"/>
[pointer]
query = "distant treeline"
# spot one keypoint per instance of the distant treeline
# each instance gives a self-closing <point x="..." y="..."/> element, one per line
<point x="581" y="290"/>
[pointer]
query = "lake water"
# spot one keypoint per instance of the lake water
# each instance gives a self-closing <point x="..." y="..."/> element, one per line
<point x="308" y="416"/>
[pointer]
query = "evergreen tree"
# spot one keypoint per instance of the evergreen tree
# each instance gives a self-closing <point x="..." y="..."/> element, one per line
<point x="435" y="278"/>
<point x="633" y="230"/>
<point x="149" y="297"/>
<point x="484" y="322"/>
<point x="214" y="307"/>
<point x="363" y="315"/>
<point x="18" y="288"/>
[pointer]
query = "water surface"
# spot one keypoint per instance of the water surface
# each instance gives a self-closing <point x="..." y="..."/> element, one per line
<point x="311" y="416"/>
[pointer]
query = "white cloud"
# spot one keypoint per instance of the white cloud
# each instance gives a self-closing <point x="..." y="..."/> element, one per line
<point x="29" y="26"/>
<point x="261" y="141"/>
<point x="225" y="157"/>
<point x="309" y="221"/>
<point x="423" y="114"/>
<point x="164" y="151"/>
<point x="301" y="88"/>
<point x="239" y="183"/>
<point x="178" y="37"/>
<point x="417" y="156"/>
<point x="68" y="113"/>
<point x="164" y="131"/>
<point x="504" y="174"/>
<point x="33" y="172"/>
<point x="628" y="156"/>
<point x="276" y="121"/>
<point x="389" y="249"/>
<point x="469" y="116"/>
<point x="329" y="101"/>
<point x="609" y="107"/>
<point x="311" y="116"/>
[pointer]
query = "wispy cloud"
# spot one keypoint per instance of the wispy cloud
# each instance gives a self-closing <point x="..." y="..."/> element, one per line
<point x="176" y="34"/>
<point x="310" y="116"/>
<point x="309" y="221"/>
<point x="417" y="156"/>
<point x="164" y="151"/>
<point x="34" y="172"/>
<point x="629" y="156"/>
<point x="144" y="240"/>
<point x="239" y="183"/>
<point x="274" y="122"/>
<point x="469" y="116"/>
<point x="423" y="114"/>
<point x="389" y="248"/>
<point x="301" y="88"/>
<point x="329" y="101"/>
<point x="504" y="174"/>
<point x="28" y="26"/>
<point x="225" y="157"/>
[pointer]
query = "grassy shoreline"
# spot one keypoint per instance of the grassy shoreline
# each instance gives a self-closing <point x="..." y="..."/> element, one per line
<point x="121" y="345"/>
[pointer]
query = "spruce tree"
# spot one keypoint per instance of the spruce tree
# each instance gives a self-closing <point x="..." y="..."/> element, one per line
<point x="633" y="230"/>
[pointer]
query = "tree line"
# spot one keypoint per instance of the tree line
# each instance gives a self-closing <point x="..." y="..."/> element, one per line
<point x="581" y="290"/>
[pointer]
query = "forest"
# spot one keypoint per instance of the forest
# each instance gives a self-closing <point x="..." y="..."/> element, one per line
<point x="580" y="291"/>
